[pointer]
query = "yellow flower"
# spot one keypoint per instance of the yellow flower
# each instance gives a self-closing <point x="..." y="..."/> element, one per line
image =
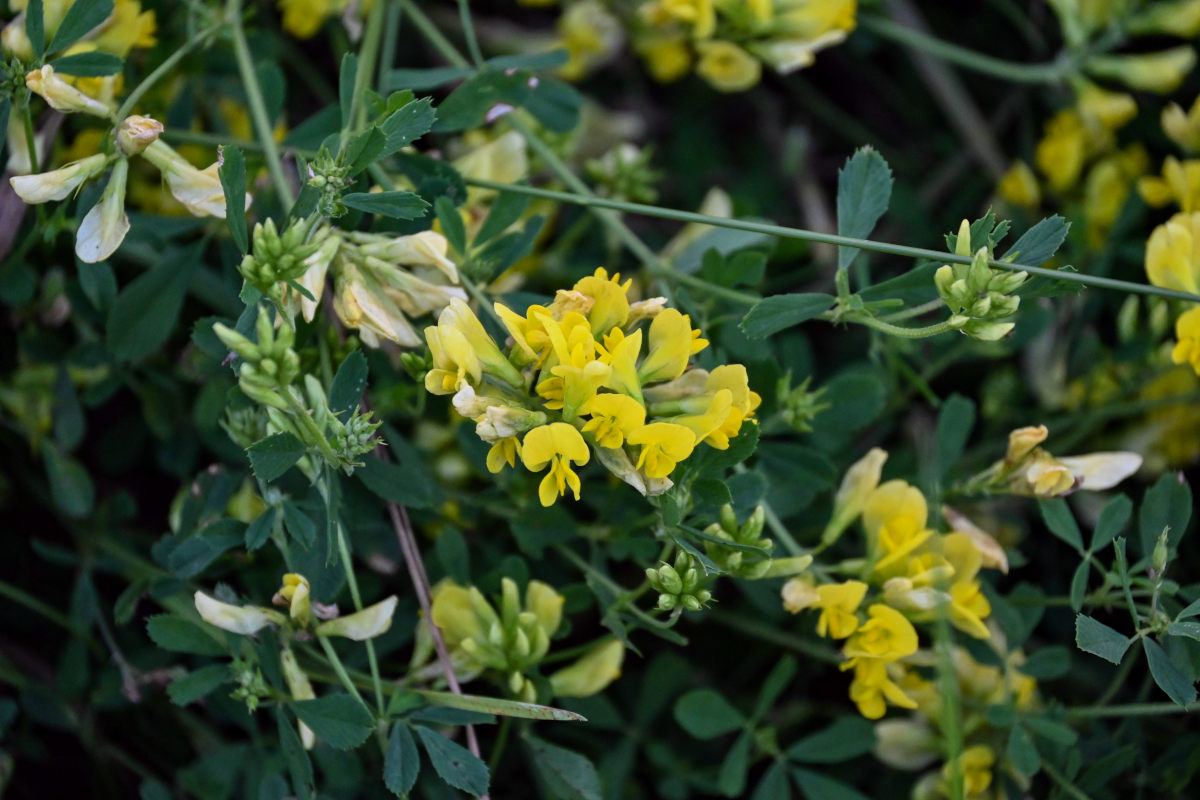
<point x="1062" y="150"/>
<point x="504" y="451"/>
<point x="591" y="36"/>
<point x="104" y="227"/>
<point x="558" y="445"/>
<point x="839" y="604"/>
<point x="727" y="67"/>
<point x="872" y="689"/>
<point x="857" y="485"/>
<point x="1160" y="72"/>
<point x="295" y="595"/>
<point x="1045" y="476"/>
<point x="199" y="190"/>
<point x="812" y="18"/>
<point x="664" y="444"/>
<point x="361" y="303"/>
<point x="1019" y="186"/>
<point x="57" y="184"/>
<point x="1183" y="128"/>
<point x="672" y="344"/>
<point x="621" y="353"/>
<point x="667" y="57"/>
<point x="592" y="672"/>
<point x="1187" y="332"/>
<point x="1022" y="441"/>
<point x="886" y="636"/>
<point x="300" y="688"/>
<point x="372" y="621"/>
<point x="244" y="620"/>
<point x="610" y="306"/>
<point x="699" y="13"/>
<point x="975" y="767"/>
<point x="127" y="28"/>
<point x="613" y="418"/>
<point x="303" y="18"/>
<point x="1180" y="182"/>
<point x="136" y="133"/>
<point x="894" y="515"/>
<point x="968" y="605"/>
<point x="708" y="423"/>
<point x="461" y="613"/>
<point x="1110" y="109"/>
<point x="1173" y="254"/>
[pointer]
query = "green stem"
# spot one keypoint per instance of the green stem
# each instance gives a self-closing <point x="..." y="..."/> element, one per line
<point x="432" y="34"/>
<point x="827" y="238"/>
<point x="391" y="35"/>
<point x="498" y="745"/>
<point x="165" y="67"/>
<point x="367" y="58"/>
<point x="258" y="107"/>
<point x="35" y="163"/>
<point x="1053" y="72"/>
<point x="21" y="597"/>
<point x="900" y="330"/>
<point x="1130" y="710"/>
<point x="773" y="635"/>
<point x="464" y="13"/>
<point x="339" y="669"/>
<point x="1064" y="784"/>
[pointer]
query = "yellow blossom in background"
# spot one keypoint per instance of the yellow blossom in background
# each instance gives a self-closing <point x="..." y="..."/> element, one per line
<point x="968" y="605"/>
<point x="975" y="767"/>
<point x="1062" y="150"/>
<point x="591" y="36"/>
<point x="894" y="515"/>
<point x="504" y="451"/>
<point x="887" y="635"/>
<point x="592" y="672"/>
<point x="1187" y="334"/>
<point x="558" y="445"/>
<point x="1182" y="127"/>
<point x="1173" y="254"/>
<point x="1180" y="183"/>
<point x="667" y="57"/>
<point x="1160" y="72"/>
<point x="873" y="688"/>
<point x="1019" y="186"/>
<point x="727" y="67"/>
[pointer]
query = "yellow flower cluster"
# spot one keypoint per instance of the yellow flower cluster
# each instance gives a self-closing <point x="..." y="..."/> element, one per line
<point x="1079" y="161"/>
<point x="1173" y="262"/>
<point x="916" y="742"/>
<point x="590" y="372"/>
<point x="912" y="573"/>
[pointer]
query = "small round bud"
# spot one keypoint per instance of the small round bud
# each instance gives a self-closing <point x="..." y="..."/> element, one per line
<point x="136" y="133"/>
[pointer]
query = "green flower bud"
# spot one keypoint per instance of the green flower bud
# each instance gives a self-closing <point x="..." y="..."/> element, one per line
<point x="669" y="579"/>
<point x="667" y="602"/>
<point x="1161" y="553"/>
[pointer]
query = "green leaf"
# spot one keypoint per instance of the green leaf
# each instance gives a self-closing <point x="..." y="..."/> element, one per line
<point x="777" y="680"/>
<point x="299" y="525"/>
<point x="407" y="124"/>
<point x="731" y="777"/>
<point x="81" y="17"/>
<point x="127" y="601"/>
<point x="1079" y="583"/>
<point x="406" y="482"/>
<point x="298" y="764"/>
<point x="1022" y="752"/>
<point x="864" y="192"/>
<point x="547" y="60"/>
<point x="1189" y="629"/>
<point x="181" y="635"/>
<point x="363" y="149"/>
<point x="1061" y="522"/>
<point x="706" y="714"/>
<point x="428" y="78"/>
<point x="815" y="786"/>
<point x="339" y="719"/>
<point x="481" y="96"/>
<point x="955" y="421"/>
<point x="1100" y="640"/>
<point x="70" y="485"/>
<point x="88" y="65"/>
<point x="401" y="761"/>
<point x="1167" y="504"/>
<point x="197" y="684"/>
<point x="711" y="492"/>
<point x="1191" y="610"/>
<point x="35" y="28"/>
<point x="347" y="77"/>
<point x="1048" y="663"/>
<point x="773" y="314"/>
<point x="566" y="775"/>
<point x="192" y="556"/>
<point x="145" y="312"/>
<point x="1168" y="676"/>
<point x="258" y="531"/>
<point x="1051" y="730"/>
<point x="1113" y="519"/>
<point x="348" y="385"/>
<point x="504" y="251"/>
<point x="233" y="182"/>
<point x="452" y="224"/>
<point x="1038" y="244"/>
<point x="726" y="543"/>
<point x="506" y="209"/>
<point x="710" y="568"/>
<point x="274" y="455"/>
<point x="496" y="705"/>
<point x="453" y="554"/>
<point x="398" y="204"/>
<point x="69" y="425"/>
<point x="847" y="738"/>
<point x="454" y="764"/>
<point x="774" y="785"/>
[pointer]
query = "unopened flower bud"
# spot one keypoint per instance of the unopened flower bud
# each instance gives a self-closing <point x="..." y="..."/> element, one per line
<point x="136" y="133"/>
<point x="57" y="184"/>
<point x="62" y="96"/>
<point x="1161" y="552"/>
<point x="592" y="672"/>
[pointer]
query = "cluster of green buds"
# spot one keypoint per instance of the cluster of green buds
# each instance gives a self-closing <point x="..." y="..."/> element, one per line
<point x="510" y="641"/>
<point x="279" y="260"/>
<point x="797" y="405"/>
<point x="978" y="297"/>
<point x="248" y="678"/>
<point x="302" y="620"/>
<point x="328" y="176"/>
<point x="680" y="585"/>
<point x="624" y="173"/>
<point x="268" y="374"/>
<point x="739" y="561"/>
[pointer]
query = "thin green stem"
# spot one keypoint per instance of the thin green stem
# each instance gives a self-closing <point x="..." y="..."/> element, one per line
<point x="900" y="330"/>
<point x="1130" y="710"/>
<point x="464" y="13"/>
<point x="828" y="238"/>
<point x="1052" y="72"/>
<point x="367" y="58"/>
<point x="35" y="163"/>
<point x="1064" y="784"/>
<point x="391" y="35"/>
<point x="164" y="68"/>
<point x="258" y="107"/>
<point x="773" y="635"/>
<point x="24" y="598"/>
<point x="432" y="34"/>
<point x="498" y="745"/>
<point x="339" y="669"/>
